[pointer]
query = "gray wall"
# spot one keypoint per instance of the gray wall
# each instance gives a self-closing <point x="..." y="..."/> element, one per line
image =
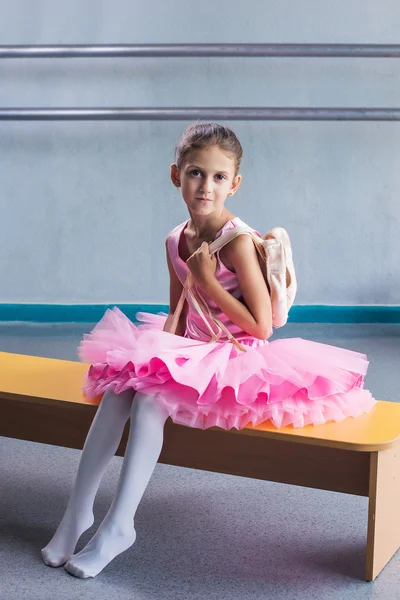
<point x="85" y="207"/>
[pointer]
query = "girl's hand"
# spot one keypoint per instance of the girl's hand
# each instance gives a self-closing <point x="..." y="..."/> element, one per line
<point x="202" y="265"/>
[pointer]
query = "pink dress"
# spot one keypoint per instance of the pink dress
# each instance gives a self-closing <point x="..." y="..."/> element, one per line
<point x="204" y="384"/>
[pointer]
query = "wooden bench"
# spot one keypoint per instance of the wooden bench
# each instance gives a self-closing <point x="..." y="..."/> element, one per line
<point x="41" y="401"/>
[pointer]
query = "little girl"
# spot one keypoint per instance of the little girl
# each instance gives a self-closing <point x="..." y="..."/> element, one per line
<point x="147" y="373"/>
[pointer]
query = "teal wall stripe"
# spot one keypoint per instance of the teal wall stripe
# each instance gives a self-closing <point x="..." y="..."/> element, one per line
<point x="70" y="313"/>
<point x="90" y="313"/>
<point x="344" y="314"/>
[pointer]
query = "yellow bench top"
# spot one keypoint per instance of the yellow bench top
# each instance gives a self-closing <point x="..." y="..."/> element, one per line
<point x="45" y="380"/>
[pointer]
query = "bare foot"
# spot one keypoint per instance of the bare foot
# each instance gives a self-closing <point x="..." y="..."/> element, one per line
<point x="62" y="544"/>
<point x="106" y="544"/>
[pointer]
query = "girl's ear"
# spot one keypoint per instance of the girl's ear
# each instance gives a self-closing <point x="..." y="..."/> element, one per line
<point x="175" y="175"/>
<point x="235" y="185"/>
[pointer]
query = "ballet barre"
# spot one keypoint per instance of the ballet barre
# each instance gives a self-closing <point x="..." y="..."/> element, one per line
<point x="231" y="50"/>
<point x="183" y="114"/>
<point x="41" y="401"/>
<point x="201" y="51"/>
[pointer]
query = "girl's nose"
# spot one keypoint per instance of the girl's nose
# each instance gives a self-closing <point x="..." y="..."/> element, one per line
<point x="206" y="187"/>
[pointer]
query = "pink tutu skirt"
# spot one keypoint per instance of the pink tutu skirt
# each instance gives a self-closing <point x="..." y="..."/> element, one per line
<point x="288" y="381"/>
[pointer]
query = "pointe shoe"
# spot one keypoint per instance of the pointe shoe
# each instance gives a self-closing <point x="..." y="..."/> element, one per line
<point x="281" y="274"/>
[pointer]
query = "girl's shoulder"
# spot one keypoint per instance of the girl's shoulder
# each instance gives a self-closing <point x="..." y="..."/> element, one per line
<point x="236" y="222"/>
<point x="172" y="240"/>
<point x="176" y="230"/>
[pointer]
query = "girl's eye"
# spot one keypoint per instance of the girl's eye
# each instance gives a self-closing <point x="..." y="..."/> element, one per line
<point x="220" y="176"/>
<point x="196" y="172"/>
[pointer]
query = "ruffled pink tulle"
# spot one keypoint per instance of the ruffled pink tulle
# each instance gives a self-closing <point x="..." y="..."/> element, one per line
<point x="289" y="381"/>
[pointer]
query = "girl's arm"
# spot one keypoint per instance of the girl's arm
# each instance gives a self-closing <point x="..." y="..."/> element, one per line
<point x="175" y="290"/>
<point x="255" y="316"/>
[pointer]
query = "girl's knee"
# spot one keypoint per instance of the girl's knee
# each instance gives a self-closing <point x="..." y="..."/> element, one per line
<point x="145" y="404"/>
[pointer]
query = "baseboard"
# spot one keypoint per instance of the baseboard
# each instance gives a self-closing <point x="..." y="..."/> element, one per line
<point x="90" y="313"/>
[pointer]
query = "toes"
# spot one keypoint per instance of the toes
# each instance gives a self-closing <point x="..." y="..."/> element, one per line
<point x="51" y="560"/>
<point x="76" y="571"/>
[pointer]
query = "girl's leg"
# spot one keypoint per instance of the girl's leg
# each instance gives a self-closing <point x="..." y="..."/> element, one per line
<point x="116" y="533"/>
<point x="100" y="446"/>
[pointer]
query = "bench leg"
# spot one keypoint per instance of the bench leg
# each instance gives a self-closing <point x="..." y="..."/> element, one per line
<point x="384" y="510"/>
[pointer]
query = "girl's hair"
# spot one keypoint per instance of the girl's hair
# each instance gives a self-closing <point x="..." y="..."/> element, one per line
<point x="202" y="135"/>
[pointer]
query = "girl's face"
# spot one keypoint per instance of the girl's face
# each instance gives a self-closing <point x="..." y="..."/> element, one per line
<point x="206" y="178"/>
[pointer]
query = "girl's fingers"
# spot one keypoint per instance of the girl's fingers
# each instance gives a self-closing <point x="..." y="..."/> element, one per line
<point x="202" y="249"/>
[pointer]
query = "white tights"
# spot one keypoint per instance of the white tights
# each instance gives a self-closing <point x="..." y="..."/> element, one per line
<point x="116" y="533"/>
